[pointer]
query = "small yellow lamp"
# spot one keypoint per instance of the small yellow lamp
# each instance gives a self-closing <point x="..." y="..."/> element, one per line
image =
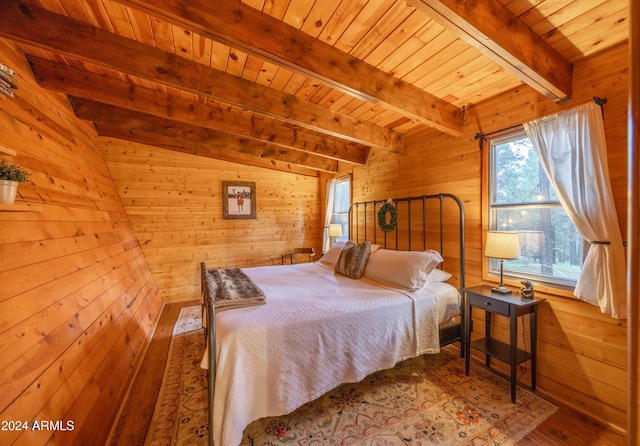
<point x="335" y="230"/>
<point x="503" y="246"/>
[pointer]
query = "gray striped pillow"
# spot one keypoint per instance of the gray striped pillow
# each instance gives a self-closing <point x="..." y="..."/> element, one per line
<point x="353" y="259"/>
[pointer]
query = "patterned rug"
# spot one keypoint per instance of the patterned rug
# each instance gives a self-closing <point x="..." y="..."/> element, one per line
<point x="422" y="401"/>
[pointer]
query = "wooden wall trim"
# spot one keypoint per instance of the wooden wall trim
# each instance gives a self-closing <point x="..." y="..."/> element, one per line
<point x="633" y="237"/>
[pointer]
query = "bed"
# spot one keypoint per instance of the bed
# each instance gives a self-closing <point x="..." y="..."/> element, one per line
<point x="323" y="325"/>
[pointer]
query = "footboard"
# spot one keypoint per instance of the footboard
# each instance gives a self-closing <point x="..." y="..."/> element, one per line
<point x="209" y="322"/>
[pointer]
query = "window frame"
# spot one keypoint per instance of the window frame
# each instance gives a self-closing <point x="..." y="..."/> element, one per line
<point x="490" y="267"/>
<point x="344" y="214"/>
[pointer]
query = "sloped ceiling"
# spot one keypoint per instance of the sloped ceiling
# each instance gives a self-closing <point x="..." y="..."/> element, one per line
<point x="300" y="85"/>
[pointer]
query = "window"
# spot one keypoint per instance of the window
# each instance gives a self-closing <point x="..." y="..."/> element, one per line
<point x="341" y="204"/>
<point x="521" y="199"/>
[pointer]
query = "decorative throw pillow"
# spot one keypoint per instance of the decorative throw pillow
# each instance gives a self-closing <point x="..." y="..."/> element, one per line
<point x="353" y="259"/>
<point x="409" y="269"/>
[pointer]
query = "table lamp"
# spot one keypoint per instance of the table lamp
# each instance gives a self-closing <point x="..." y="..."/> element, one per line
<point x="335" y="230"/>
<point x="503" y="246"/>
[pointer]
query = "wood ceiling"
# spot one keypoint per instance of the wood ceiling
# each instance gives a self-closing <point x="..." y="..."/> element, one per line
<point x="300" y="85"/>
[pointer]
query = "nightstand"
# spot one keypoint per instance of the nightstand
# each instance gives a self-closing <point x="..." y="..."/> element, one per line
<point x="511" y="306"/>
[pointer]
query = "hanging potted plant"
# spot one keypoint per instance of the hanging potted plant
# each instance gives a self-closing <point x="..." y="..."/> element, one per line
<point x="10" y="175"/>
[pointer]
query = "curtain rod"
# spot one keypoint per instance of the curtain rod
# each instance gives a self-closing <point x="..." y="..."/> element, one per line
<point x="481" y="136"/>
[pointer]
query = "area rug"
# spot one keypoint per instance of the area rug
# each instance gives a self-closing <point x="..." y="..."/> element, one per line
<point x="423" y="401"/>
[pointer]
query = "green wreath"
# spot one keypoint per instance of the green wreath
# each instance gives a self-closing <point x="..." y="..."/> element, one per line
<point x="382" y="217"/>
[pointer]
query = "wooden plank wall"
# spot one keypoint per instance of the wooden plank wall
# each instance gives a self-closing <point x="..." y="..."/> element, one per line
<point x="582" y="353"/>
<point x="175" y="205"/>
<point x="633" y="267"/>
<point x="78" y="303"/>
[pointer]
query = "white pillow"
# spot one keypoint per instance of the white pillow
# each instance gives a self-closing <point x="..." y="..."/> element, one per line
<point x="331" y="256"/>
<point x="437" y="275"/>
<point x="409" y="269"/>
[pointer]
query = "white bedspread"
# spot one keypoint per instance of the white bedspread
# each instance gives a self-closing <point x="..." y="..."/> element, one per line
<point x="316" y="331"/>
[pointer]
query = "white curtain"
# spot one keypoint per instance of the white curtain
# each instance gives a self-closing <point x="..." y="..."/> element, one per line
<point x="331" y="188"/>
<point x="572" y="150"/>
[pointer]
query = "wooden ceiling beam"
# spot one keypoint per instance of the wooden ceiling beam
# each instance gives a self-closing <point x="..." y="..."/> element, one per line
<point x="499" y="34"/>
<point x="243" y="27"/>
<point x="110" y="116"/>
<point x="164" y="142"/>
<point x="35" y="26"/>
<point x="76" y="82"/>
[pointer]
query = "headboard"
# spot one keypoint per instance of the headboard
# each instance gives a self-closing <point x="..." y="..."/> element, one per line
<point x="422" y="222"/>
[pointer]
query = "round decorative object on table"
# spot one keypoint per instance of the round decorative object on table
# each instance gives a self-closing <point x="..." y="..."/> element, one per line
<point x="385" y="209"/>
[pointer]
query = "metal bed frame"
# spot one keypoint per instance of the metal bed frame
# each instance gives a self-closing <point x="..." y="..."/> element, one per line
<point x="448" y="335"/>
<point x="368" y="211"/>
<point x="210" y="339"/>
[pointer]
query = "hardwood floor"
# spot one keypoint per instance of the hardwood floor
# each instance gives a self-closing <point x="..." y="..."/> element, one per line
<point x="565" y="427"/>
<point x="135" y="417"/>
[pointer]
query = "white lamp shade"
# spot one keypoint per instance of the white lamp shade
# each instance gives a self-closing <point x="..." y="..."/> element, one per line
<point x="335" y="230"/>
<point x="502" y="245"/>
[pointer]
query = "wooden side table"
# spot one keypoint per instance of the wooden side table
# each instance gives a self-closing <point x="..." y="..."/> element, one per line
<point x="511" y="306"/>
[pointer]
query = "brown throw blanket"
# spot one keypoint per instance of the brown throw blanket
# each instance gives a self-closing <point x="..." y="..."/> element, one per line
<point x="232" y="288"/>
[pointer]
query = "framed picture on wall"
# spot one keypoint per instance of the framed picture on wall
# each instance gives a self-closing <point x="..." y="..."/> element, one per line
<point x="238" y="200"/>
